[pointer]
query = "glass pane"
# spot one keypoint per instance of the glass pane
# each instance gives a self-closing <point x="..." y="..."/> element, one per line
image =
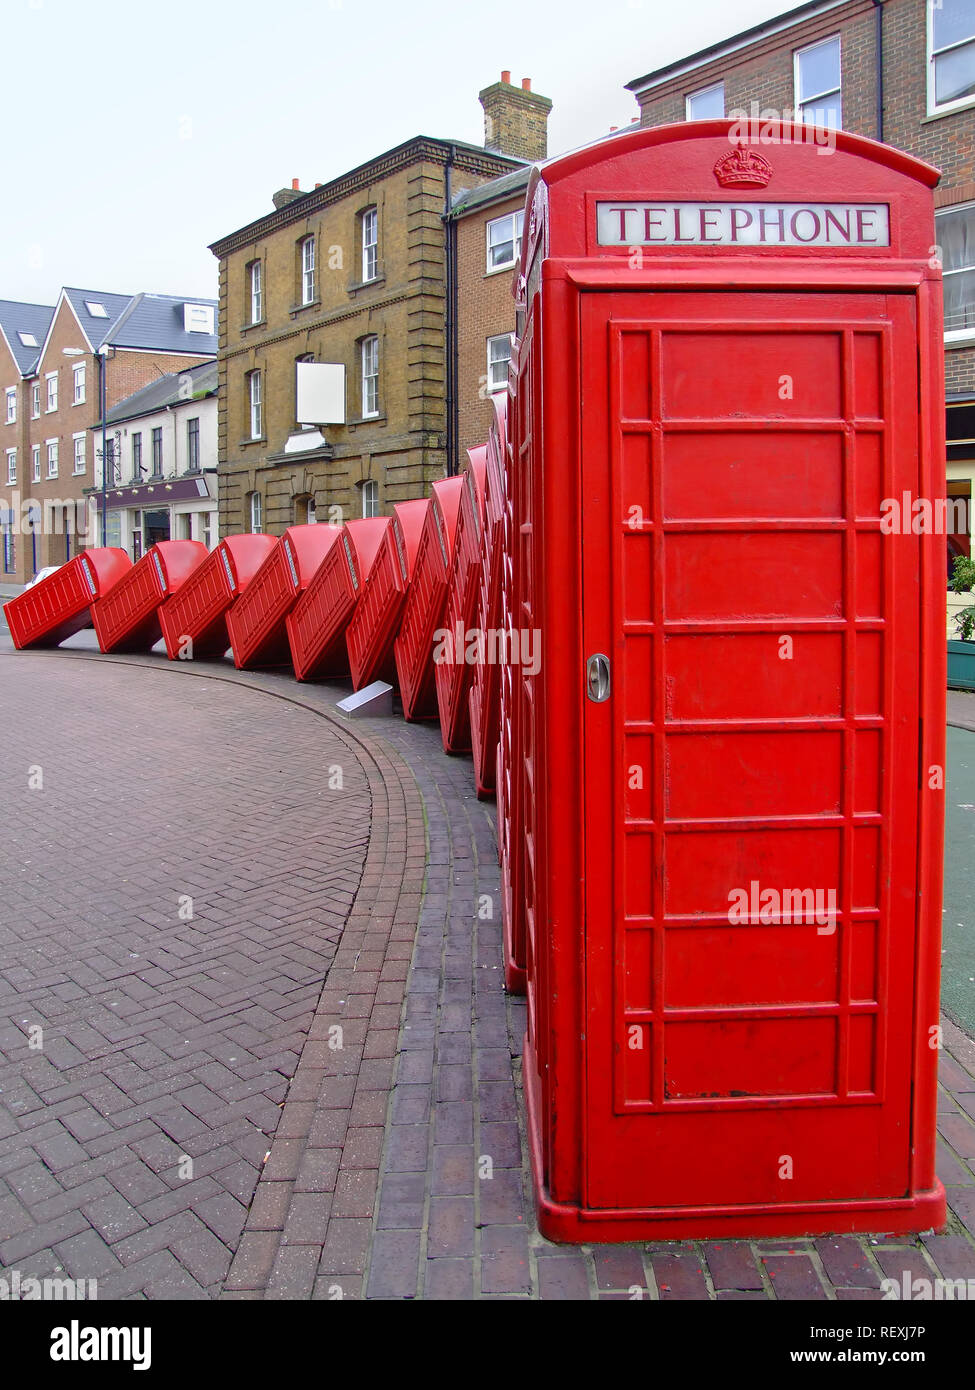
<point x="954" y="20"/>
<point x="954" y="74"/>
<point x="706" y="105"/>
<point x="502" y="254"/>
<point x="819" y="69"/>
<point x="959" y="301"/>
<point x="955" y="233"/>
<point x="825" y="112"/>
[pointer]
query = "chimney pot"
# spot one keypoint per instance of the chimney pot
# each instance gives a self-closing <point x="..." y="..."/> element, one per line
<point x="295" y="184"/>
<point x="506" y="75"/>
<point x="526" y="84"/>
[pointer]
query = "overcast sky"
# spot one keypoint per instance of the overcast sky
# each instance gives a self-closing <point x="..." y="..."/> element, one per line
<point x="137" y="133"/>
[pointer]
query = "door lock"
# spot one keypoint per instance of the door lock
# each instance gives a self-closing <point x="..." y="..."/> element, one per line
<point x="597" y="678"/>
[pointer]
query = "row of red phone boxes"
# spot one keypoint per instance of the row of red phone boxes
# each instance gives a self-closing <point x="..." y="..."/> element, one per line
<point x="384" y="598"/>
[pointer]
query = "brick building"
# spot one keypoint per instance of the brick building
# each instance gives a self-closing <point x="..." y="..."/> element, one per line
<point x="52" y="362"/>
<point x="336" y="309"/>
<point x="901" y="71"/>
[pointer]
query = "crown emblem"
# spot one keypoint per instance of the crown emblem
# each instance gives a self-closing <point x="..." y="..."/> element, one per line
<point x="742" y="168"/>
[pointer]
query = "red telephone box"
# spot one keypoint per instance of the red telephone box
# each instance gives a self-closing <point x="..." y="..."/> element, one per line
<point x="126" y="619"/>
<point x="375" y="623"/>
<point x="485" y="693"/>
<point x="452" y="668"/>
<point x="256" y="622"/>
<point x="733" y="866"/>
<point x="424" y="608"/>
<point x="316" y="625"/>
<point x="60" y="605"/>
<point x="194" y="621"/>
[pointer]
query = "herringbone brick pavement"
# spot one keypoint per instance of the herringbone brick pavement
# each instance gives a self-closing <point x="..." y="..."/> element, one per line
<point x="178" y="862"/>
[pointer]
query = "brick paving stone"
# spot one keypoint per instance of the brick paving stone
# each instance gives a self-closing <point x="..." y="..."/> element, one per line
<point x="679" y="1276"/>
<point x="793" y="1277"/>
<point x="449" y="1279"/>
<point x="505" y="1264"/>
<point x="563" y="1276"/>
<point x="450" y="1229"/>
<point x="619" y="1267"/>
<point x="732" y="1264"/>
<point x="846" y="1263"/>
<point x="393" y="1264"/>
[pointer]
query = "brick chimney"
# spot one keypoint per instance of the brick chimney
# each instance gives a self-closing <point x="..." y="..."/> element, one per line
<point x="515" y="119"/>
<point x="287" y="195"/>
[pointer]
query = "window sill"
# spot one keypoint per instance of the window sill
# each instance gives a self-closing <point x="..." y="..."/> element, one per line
<point x="253" y="323"/>
<point x="246" y="443"/>
<point x="74" y="403"/>
<point x="500" y="269"/>
<point x="366" y="420"/>
<point x="357" y="286"/>
<point x="964" y="339"/>
<point x="958" y="110"/>
<point x="79" y="473"/>
<point x="299" y="308"/>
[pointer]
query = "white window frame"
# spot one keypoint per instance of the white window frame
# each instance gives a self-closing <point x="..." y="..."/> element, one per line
<point x="703" y="92"/>
<point x="11" y="467"/>
<point x="35" y="400"/>
<point x="192" y="436"/>
<point x="956" y="336"/>
<point x="35" y="459"/>
<point x="257" y="291"/>
<point x="78" y="383"/>
<point x="961" y="102"/>
<point x="493" y="386"/>
<point x="308" y="269"/>
<point x="517" y="220"/>
<point x="12" y="405"/>
<point x="52" y="457"/>
<point x="255" y="404"/>
<point x="827" y="92"/>
<point x="80" y="438"/>
<point x="52" y="392"/>
<point x="369" y="360"/>
<point x="370" y="498"/>
<point x="256" y="514"/>
<point x="370" y="245"/>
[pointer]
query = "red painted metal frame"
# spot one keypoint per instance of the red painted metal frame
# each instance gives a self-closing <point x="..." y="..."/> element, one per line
<point x="485" y="693"/>
<point x="423" y="611"/>
<point x="256" y="622"/>
<point x="127" y="618"/>
<point x="578" y="1144"/>
<point x="317" y="623"/>
<point x="371" y="633"/>
<point x="194" y="621"/>
<point x="60" y="605"/>
<point x="453" y="673"/>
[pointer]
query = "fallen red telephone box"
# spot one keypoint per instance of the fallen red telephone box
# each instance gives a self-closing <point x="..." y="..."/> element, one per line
<point x="454" y="653"/>
<point x="316" y="625"/>
<point x="734" y="867"/>
<point x="485" y="692"/>
<point x="60" y="605"/>
<point x="424" y="608"/>
<point x="194" y="621"/>
<point x="256" y="622"/>
<point x="127" y="618"/>
<point x="371" y="633"/>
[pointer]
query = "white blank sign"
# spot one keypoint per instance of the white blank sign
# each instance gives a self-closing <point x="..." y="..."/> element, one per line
<point x="321" y="393"/>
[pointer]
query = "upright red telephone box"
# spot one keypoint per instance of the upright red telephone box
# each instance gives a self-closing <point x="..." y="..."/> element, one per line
<point x="737" y="741"/>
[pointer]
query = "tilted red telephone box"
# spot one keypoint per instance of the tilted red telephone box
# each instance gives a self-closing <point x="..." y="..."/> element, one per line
<point x="194" y="621"/>
<point x="738" y="732"/>
<point x="424" y="608"/>
<point x="316" y="625"/>
<point x="256" y="622"/>
<point x="454" y="655"/>
<point x="375" y="623"/>
<point x="60" y="605"/>
<point x="127" y="618"/>
<point x="485" y="692"/>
